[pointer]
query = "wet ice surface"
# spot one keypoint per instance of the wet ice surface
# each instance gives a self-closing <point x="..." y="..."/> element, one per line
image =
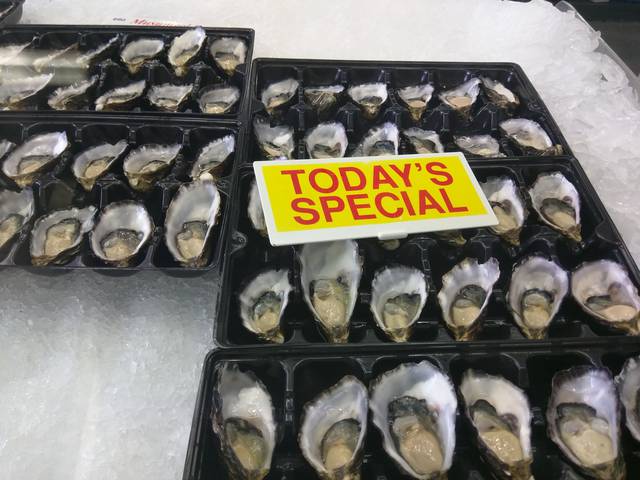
<point x="99" y="374"/>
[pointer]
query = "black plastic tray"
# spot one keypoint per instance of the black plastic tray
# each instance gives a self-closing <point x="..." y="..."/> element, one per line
<point x="248" y="253"/>
<point x="12" y="11"/>
<point x="297" y="377"/>
<point x="113" y="73"/>
<point x="59" y="189"/>
<point x="485" y="116"/>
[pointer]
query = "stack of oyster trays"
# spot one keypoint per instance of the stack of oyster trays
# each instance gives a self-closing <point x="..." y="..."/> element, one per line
<point x="502" y="352"/>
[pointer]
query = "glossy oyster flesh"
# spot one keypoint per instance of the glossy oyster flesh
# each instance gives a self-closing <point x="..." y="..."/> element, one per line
<point x="327" y="140"/>
<point x="423" y="141"/>
<point x="499" y="94"/>
<point x="213" y="156"/>
<point x="369" y="97"/>
<point x="228" y="53"/>
<point x="217" y="100"/>
<point x="462" y="98"/>
<point x="55" y="58"/>
<point x="72" y="97"/>
<point x="508" y="207"/>
<point x="14" y="91"/>
<point x="138" y="52"/>
<point x="16" y="209"/>
<point x="169" y="97"/>
<point x="323" y="98"/>
<point x="94" y="162"/>
<point x="416" y="98"/>
<point x="86" y="59"/>
<point x="277" y="94"/>
<point x="379" y="141"/>
<point x="184" y="49"/>
<point x="148" y="163"/>
<point x="121" y="97"/>
<point x="275" y="142"/>
<point x="558" y="204"/>
<point x="480" y="145"/>
<point x="529" y="137"/>
<point x="35" y="156"/>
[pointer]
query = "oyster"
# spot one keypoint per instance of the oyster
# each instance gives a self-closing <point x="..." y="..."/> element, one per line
<point x="423" y="141"/>
<point x="499" y="94"/>
<point x="189" y="221"/>
<point x="398" y="295"/>
<point x="323" y="98"/>
<point x="326" y="140"/>
<point x="451" y="237"/>
<point x="137" y="52"/>
<point x="604" y="290"/>
<point x="213" y="156"/>
<point x="94" y="162"/>
<point x="38" y="154"/>
<point x="480" y="145"/>
<point x="10" y="52"/>
<point x="557" y="202"/>
<point x="228" y="53"/>
<point x="628" y="383"/>
<point x="536" y="291"/>
<point x="501" y="416"/>
<point x="148" y="163"/>
<point x="14" y="91"/>
<point x="219" y="99"/>
<point x="465" y="293"/>
<point x="54" y="58"/>
<point x="414" y="408"/>
<point x="262" y="304"/>
<point x="369" y="97"/>
<point x="274" y="142"/>
<point x="121" y="97"/>
<point x="462" y="98"/>
<point x="379" y="141"/>
<point x="583" y="419"/>
<point x="57" y="236"/>
<point x="87" y="58"/>
<point x="243" y="418"/>
<point x="184" y="49"/>
<point x="529" y="137"/>
<point x="255" y="212"/>
<point x="169" y="97"/>
<point x="416" y="98"/>
<point x="16" y="209"/>
<point x="333" y="428"/>
<point x="5" y="147"/>
<point x="330" y="276"/>
<point x="122" y="230"/>
<point x="278" y="94"/>
<point x="508" y="207"/>
<point x="72" y="97"/>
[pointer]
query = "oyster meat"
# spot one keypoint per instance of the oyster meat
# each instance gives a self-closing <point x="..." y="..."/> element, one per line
<point x="333" y="428"/>
<point x="169" y="97"/>
<point x="414" y="408"/>
<point x="94" y="162"/>
<point x="10" y="52"/>
<point x="228" y="53"/>
<point x="137" y="52"/>
<point x="275" y="142"/>
<point x="184" y="49"/>
<point x="583" y="419"/>
<point x="218" y="99"/>
<point x="536" y="291"/>
<point x="213" y="156"/>
<point x="277" y="94"/>
<point x="330" y="276"/>
<point x="89" y="57"/>
<point x="326" y="140"/>
<point x="255" y="212"/>
<point x="558" y="204"/>
<point x="121" y="97"/>
<point x="423" y="141"/>
<point x="462" y="98"/>
<point x="323" y="98"/>
<point x="14" y="91"/>
<point x="499" y="94"/>
<point x="120" y="233"/>
<point x="38" y="154"/>
<point x="72" y="97"/>
<point x="57" y="236"/>
<point x="398" y="295"/>
<point x="529" y="137"/>
<point x="379" y="141"/>
<point x="507" y="205"/>
<point x="465" y="293"/>
<point x="243" y="418"/>
<point x="451" y="237"/>
<point x="148" y="163"/>
<point x="55" y="58"/>
<point x="480" y="145"/>
<point x="604" y="290"/>
<point x="16" y="209"/>
<point x="369" y="97"/>
<point x="628" y="383"/>
<point x="416" y="98"/>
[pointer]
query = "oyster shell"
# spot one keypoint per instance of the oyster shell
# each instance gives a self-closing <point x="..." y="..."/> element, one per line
<point x="38" y="154"/>
<point x="120" y="97"/>
<point x="451" y="237"/>
<point x="398" y="295"/>
<point x="5" y="147"/>
<point x="137" y="52"/>
<point x="120" y="233"/>
<point x="213" y="156"/>
<point x="277" y="94"/>
<point x="323" y="98"/>
<point x="148" y="163"/>
<point x="219" y="99"/>
<point x="243" y="418"/>
<point x="423" y="141"/>
<point x="9" y="52"/>
<point x="416" y="98"/>
<point x="604" y="290"/>
<point x="333" y="427"/>
<point x="57" y="236"/>
<point x="583" y="419"/>
<point x="255" y="212"/>
<point x="262" y="304"/>
<point x="379" y="141"/>
<point x="14" y="91"/>
<point x="228" y="53"/>
<point x="501" y="416"/>
<point x="465" y="293"/>
<point x="326" y="140"/>
<point x="529" y="137"/>
<point x="499" y="94"/>
<point x="274" y="142"/>
<point x="480" y="145"/>
<point x="628" y="383"/>
<point x="536" y="291"/>
<point x="169" y="97"/>
<point x="330" y="276"/>
<point x="189" y="221"/>
<point x="16" y="209"/>
<point x="369" y="97"/>
<point x="414" y="408"/>
<point x="462" y="97"/>
<point x="72" y="97"/>
<point x="558" y="204"/>
<point x="54" y="58"/>
<point x="184" y="49"/>
<point x="89" y="57"/>
<point x="94" y="162"/>
<point x="507" y="205"/>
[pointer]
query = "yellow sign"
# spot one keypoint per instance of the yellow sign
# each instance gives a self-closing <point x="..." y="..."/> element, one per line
<point x="387" y="197"/>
